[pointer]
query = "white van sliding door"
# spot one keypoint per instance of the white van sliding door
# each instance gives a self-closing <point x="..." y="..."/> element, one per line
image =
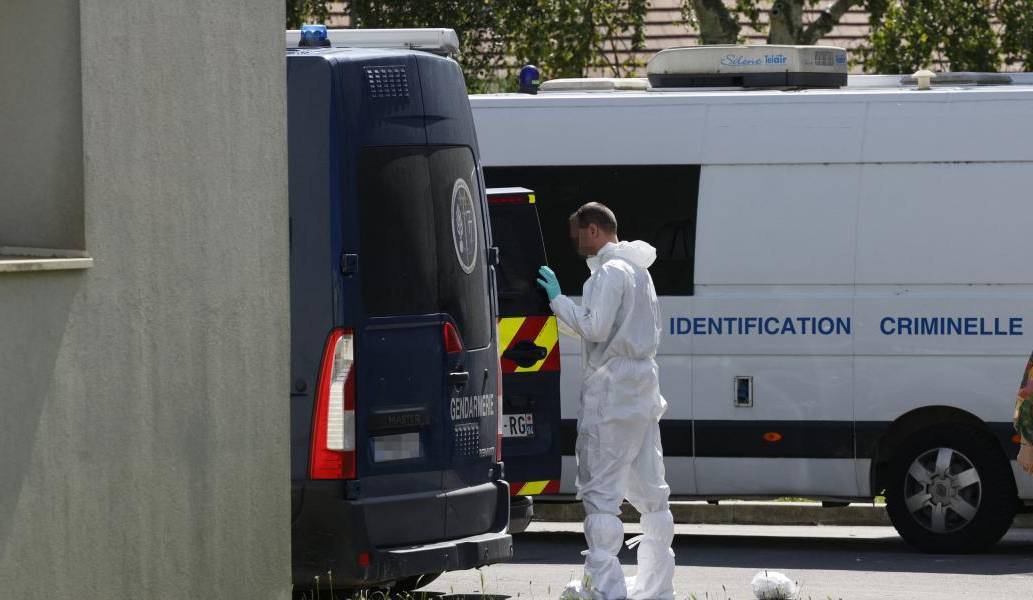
<point x="772" y="325"/>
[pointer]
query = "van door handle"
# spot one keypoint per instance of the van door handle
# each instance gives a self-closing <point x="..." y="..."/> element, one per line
<point x="459" y="378"/>
<point x="525" y="353"/>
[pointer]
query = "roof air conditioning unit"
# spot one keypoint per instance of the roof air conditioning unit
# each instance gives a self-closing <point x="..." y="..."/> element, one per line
<point x="748" y="66"/>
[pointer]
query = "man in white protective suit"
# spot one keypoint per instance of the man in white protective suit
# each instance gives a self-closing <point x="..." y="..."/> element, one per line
<point x="618" y="433"/>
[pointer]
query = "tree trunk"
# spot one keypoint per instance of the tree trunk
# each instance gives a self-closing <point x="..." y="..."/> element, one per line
<point x="827" y="20"/>
<point x="786" y="25"/>
<point x="716" y="23"/>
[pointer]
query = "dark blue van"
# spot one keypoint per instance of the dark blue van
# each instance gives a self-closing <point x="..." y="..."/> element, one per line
<point x="395" y="377"/>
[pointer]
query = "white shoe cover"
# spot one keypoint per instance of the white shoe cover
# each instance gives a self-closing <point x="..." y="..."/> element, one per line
<point x="630" y="583"/>
<point x="655" y="577"/>
<point x="603" y="578"/>
<point x="771" y="585"/>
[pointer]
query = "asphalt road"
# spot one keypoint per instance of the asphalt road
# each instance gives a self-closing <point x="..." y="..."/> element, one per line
<point x="717" y="562"/>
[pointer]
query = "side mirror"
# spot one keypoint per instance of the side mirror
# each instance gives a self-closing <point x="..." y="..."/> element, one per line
<point x="494" y="257"/>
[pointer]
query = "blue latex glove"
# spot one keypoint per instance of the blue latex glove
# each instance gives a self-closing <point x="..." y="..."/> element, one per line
<point x="549" y="283"/>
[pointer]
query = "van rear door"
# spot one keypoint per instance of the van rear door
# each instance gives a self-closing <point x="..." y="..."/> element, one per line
<point x="427" y="364"/>
<point x="528" y="346"/>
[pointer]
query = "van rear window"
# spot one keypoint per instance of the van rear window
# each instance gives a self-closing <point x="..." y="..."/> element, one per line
<point x="654" y="203"/>
<point x="422" y="246"/>
<point x="517" y="233"/>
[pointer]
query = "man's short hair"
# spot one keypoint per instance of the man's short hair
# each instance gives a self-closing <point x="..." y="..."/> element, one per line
<point x="597" y="214"/>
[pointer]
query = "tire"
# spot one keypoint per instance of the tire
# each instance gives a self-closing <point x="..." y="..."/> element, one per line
<point x="411" y="584"/>
<point x="521" y="511"/>
<point x="951" y="490"/>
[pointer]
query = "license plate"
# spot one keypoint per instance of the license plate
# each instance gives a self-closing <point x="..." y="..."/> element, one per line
<point x="518" y="426"/>
<point x="402" y="446"/>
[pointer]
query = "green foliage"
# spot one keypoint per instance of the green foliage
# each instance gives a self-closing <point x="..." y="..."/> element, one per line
<point x="482" y="51"/>
<point x="564" y="38"/>
<point x="715" y="22"/>
<point x="300" y="12"/>
<point x="905" y="35"/>
<point x="718" y="23"/>
<point x="567" y="37"/>
<point x="969" y="43"/>
<point x="956" y="35"/>
<point x="750" y="10"/>
<point x="915" y="34"/>
<point x="1017" y="36"/>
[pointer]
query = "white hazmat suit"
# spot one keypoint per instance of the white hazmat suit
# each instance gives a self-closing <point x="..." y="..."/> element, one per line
<point x="618" y="443"/>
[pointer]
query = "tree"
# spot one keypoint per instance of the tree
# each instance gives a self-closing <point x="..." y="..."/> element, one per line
<point x="564" y="38"/>
<point x="955" y="35"/>
<point x="481" y="49"/>
<point x="1016" y="18"/>
<point x="905" y="35"/>
<point x="568" y="38"/>
<point x="300" y="12"/>
<point x="718" y="23"/>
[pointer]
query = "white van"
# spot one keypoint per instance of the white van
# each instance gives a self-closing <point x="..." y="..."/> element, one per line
<point x="845" y="278"/>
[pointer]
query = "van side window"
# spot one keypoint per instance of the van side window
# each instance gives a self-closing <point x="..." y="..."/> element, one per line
<point x="654" y="203"/>
<point x="418" y="222"/>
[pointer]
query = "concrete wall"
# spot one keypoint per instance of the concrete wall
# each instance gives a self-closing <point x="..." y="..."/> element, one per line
<point x="41" y="195"/>
<point x="143" y="437"/>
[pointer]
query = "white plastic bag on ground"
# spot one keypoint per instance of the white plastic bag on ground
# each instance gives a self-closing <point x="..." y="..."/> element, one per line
<point x="771" y="585"/>
<point x="576" y="590"/>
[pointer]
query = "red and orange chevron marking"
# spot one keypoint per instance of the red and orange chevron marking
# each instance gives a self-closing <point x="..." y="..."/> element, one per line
<point x="541" y="330"/>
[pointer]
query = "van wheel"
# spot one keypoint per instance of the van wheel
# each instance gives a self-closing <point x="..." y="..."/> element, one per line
<point x="410" y="584"/>
<point x="521" y="511"/>
<point x="949" y="490"/>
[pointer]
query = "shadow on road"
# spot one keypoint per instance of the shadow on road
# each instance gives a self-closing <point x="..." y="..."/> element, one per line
<point x="1014" y="555"/>
<point x="443" y="596"/>
<point x="419" y="595"/>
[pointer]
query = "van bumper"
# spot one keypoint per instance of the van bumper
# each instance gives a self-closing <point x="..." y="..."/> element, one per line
<point x="332" y="534"/>
<point x="453" y="555"/>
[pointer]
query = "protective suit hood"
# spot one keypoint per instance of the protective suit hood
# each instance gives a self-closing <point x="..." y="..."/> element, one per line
<point x="638" y="253"/>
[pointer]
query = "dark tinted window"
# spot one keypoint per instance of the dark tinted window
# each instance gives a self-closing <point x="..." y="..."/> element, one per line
<point x="654" y="203"/>
<point x="462" y="257"/>
<point x="518" y="236"/>
<point x="422" y="246"/>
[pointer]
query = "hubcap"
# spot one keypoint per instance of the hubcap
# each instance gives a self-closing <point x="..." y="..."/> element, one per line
<point x="942" y="490"/>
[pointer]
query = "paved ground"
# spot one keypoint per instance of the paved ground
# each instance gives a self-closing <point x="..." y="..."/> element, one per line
<point x="716" y="562"/>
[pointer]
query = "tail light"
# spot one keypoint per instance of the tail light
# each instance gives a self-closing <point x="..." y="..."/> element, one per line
<point x="332" y="454"/>
<point x="453" y="343"/>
